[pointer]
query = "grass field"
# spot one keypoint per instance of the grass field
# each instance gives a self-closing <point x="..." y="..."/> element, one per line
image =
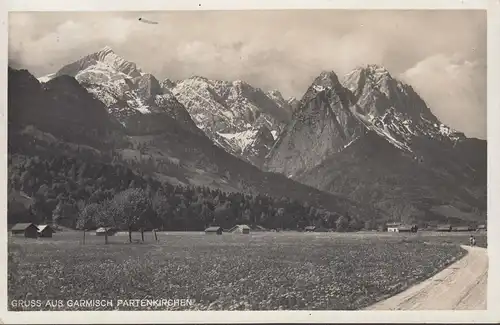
<point x="260" y="271"/>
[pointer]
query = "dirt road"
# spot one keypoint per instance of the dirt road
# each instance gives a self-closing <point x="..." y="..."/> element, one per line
<point x="461" y="286"/>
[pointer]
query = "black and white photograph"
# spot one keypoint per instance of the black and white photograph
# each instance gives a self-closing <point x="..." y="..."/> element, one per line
<point x="247" y="160"/>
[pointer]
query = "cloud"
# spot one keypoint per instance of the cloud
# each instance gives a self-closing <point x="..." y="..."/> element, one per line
<point x="280" y="49"/>
<point x="455" y="90"/>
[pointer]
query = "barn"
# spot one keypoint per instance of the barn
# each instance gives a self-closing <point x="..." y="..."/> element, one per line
<point x="29" y="230"/>
<point x="258" y="228"/>
<point x="405" y="228"/>
<point x="45" y="231"/>
<point x="240" y="229"/>
<point x="103" y="230"/>
<point x="214" y="230"/>
<point x="481" y="228"/>
<point x="310" y="228"/>
<point x="393" y="227"/>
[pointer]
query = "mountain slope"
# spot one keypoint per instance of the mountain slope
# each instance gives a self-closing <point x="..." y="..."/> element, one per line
<point x="234" y="114"/>
<point x="372" y="138"/>
<point x="123" y="87"/>
<point x="154" y="143"/>
<point x="322" y="125"/>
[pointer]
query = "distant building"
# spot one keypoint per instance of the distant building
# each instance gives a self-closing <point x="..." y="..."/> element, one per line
<point x="405" y="228"/>
<point x="29" y="230"/>
<point x="45" y="231"/>
<point x="103" y="230"/>
<point x="258" y="228"/>
<point x="214" y="230"/>
<point x="393" y="226"/>
<point x="481" y="228"/>
<point x="444" y="228"/>
<point x="241" y="229"/>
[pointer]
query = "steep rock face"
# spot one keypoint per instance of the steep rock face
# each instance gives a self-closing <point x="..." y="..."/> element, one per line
<point x="322" y="125"/>
<point x="393" y="109"/>
<point x="61" y="106"/>
<point x="231" y="113"/>
<point x="370" y="132"/>
<point x="124" y="88"/>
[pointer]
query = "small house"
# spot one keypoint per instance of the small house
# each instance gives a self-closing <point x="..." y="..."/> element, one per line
<point x="405" y="228"/>
<point x="443" y="228"/>
<point x="310" y="228"/>
<point x="214" y="230"/>
<point x="258" y="228"/>
<point x="241" y="229"/>
<point x="29" y="230"/>
<point x="393" y="227"/>
<point x="481" y="228"/>
<point x="102" y="231"/>
<point x="45" y="231"/>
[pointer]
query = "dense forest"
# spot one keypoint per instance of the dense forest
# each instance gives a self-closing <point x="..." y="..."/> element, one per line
<point x="79" y="193"/>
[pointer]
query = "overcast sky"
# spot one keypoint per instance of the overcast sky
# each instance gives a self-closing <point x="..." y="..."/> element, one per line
<point x="442" y="54"/>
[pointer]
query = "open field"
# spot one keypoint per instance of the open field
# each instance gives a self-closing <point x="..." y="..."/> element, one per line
<point x="260" y="271"/>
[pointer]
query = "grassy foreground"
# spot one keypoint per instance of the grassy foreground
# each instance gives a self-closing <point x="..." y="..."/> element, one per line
<point x="260" y="271"/>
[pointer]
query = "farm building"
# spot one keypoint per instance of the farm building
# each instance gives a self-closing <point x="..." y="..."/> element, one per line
<point x="461" y="228"/>
<point x="258" y="228"/>
<point x="45" y="231"/>
<point x="103" y="230"/>
<point x="393" y="227"/>
<point x="405" y="228"/>
<point x="443" y="228"/>
<point x="214" y="230"/>
<point x="481" y="228"/>
<point x="241" y="229"/>
<point x="310" y="228"/>
<point x="29" y="230"/>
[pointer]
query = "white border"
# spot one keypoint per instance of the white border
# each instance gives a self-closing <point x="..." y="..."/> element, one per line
<point x="492" y="315"/>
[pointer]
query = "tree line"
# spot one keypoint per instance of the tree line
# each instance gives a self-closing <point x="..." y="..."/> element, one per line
<point x="77" y="193"/>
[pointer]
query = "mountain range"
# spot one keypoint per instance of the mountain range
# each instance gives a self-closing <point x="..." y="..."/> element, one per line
<point x="366" y="143"/>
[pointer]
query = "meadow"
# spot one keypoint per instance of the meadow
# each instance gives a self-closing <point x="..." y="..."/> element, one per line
<point x="260" y="271"/>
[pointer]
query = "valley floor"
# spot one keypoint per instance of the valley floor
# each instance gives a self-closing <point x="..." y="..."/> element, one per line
<point x="461" y="286"/>
<point x="260" y="271"/>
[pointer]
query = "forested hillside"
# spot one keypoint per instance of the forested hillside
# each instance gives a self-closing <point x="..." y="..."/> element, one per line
<point x="66" y="189"/>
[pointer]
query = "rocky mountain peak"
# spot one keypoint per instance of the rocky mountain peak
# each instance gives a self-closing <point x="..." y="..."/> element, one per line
<point x="326" y="79"/>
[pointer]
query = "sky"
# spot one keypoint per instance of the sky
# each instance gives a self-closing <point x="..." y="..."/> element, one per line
<point x="441" y="53"/>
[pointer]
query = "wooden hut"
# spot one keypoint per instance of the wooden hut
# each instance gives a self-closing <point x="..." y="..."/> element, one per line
<point x="103" y="230"/>
<point x="310" y="228"/>
<point x="29" y="230"/>
<point x="241" y="229"/>
<point x="45" y="231"/>
<point x="405" y="228"/>
<point x="214" y="230"/>
<point x="481" y="228"/>
<point x="393" y="226"/>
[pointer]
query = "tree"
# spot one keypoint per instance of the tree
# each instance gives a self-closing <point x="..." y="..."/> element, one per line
<point x="342" y="224"/>
<point x="88" y="216"/>
<point x="131" y="208"/>
<point x="161" y="207"/>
